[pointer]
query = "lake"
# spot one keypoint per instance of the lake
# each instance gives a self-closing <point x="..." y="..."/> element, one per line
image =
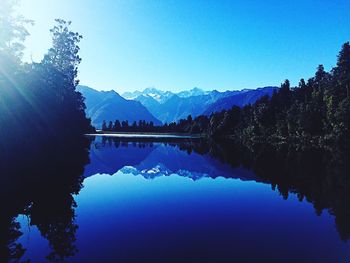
<point x="163" y="200"/>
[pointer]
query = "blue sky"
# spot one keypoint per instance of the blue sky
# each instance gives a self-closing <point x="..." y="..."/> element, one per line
<point x="211" y="44"/>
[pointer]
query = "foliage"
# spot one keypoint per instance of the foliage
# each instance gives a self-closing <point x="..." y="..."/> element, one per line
<point x="39" y="100"/>
<point x="13" y="31"/>
<point x="316" y="113"/>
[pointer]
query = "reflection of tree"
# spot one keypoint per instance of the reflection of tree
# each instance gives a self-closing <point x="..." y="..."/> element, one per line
<point x="9" y="248"/>
<point x="42" y="184"/>
<point x="314" y="175"/>
<point x="44" y="190"/>
<point x="318" y="176"/>
<point x="54" y="216"/>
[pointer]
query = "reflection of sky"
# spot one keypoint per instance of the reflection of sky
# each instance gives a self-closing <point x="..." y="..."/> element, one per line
<point x="130" y="218"/>
<point x="219" y="218"/>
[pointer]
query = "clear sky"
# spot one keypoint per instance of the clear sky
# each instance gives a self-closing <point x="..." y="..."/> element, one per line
<point x="181" y="44"/>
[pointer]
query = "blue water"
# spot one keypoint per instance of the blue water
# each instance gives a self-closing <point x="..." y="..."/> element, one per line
<point x="154" y="202"/>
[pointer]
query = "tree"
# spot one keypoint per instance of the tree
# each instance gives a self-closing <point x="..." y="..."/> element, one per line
<point x="342" y="70"/>
<point x="14" y="108"/>
<point x="125" y="125"/>
<point x="110" y="126"/>
<point x="13" y="31"/>
<point x="104" y="126"/>
<point x="64" y="54"/>
<point x="59" y="70"/>
<point x="189" y="118"/>
<point x="117" y="125"/>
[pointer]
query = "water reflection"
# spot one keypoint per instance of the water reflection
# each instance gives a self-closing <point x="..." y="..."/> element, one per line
<point x="218" y="217"/>
<point x="41" y="185"/>
<point x="160" y="158"/>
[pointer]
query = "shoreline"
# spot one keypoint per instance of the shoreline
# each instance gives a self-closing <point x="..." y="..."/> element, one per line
<point x="146" y="135"/>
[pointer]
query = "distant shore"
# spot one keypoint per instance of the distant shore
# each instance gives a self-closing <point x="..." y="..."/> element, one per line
<point x="145" y="135"/>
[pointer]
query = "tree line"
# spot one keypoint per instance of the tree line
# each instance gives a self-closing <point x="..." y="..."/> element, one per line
<point x="316" y="112"/>
<point x="39" y="100"/>
<point x="144" y="126"/>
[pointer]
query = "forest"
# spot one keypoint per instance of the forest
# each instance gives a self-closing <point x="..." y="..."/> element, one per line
<point x="38" y="100"/>
<point x="296" y="141"/>
<point x="315" y="113"/>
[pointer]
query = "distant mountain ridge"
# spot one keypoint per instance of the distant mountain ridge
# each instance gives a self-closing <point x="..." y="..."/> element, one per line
<point x="192" y="92"/>
<point x="156" y="94"/>
<point x="168" y="107"/>
<point x="110" y="106"/>
<point x="163" y="96"/>
<point x="240" y="99"/>
<point x="160" y="106"/>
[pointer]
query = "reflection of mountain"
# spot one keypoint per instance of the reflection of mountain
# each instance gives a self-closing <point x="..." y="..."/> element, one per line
<point x="149" y="173"/>
<point x="158" y="159"/>
<point x="187" y="164"/>
<point x="110" y="156"/>
<point x="43" y="186"/>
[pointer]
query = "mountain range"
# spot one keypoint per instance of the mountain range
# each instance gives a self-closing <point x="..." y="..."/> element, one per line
<point x="239" y="99"/>
<point x="160" y="106"/>
<point x="169" y="107"/>
<point x="110" y="106"/>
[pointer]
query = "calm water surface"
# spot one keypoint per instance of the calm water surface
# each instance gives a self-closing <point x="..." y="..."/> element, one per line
<point x="160" y="202"/>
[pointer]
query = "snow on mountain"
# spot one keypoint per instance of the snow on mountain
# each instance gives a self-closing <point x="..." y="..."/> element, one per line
<point x="110" y="106"/>
<point x="156" y="94"/>
<point x="193" y="92"/>
<point x="168" y="107"/>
